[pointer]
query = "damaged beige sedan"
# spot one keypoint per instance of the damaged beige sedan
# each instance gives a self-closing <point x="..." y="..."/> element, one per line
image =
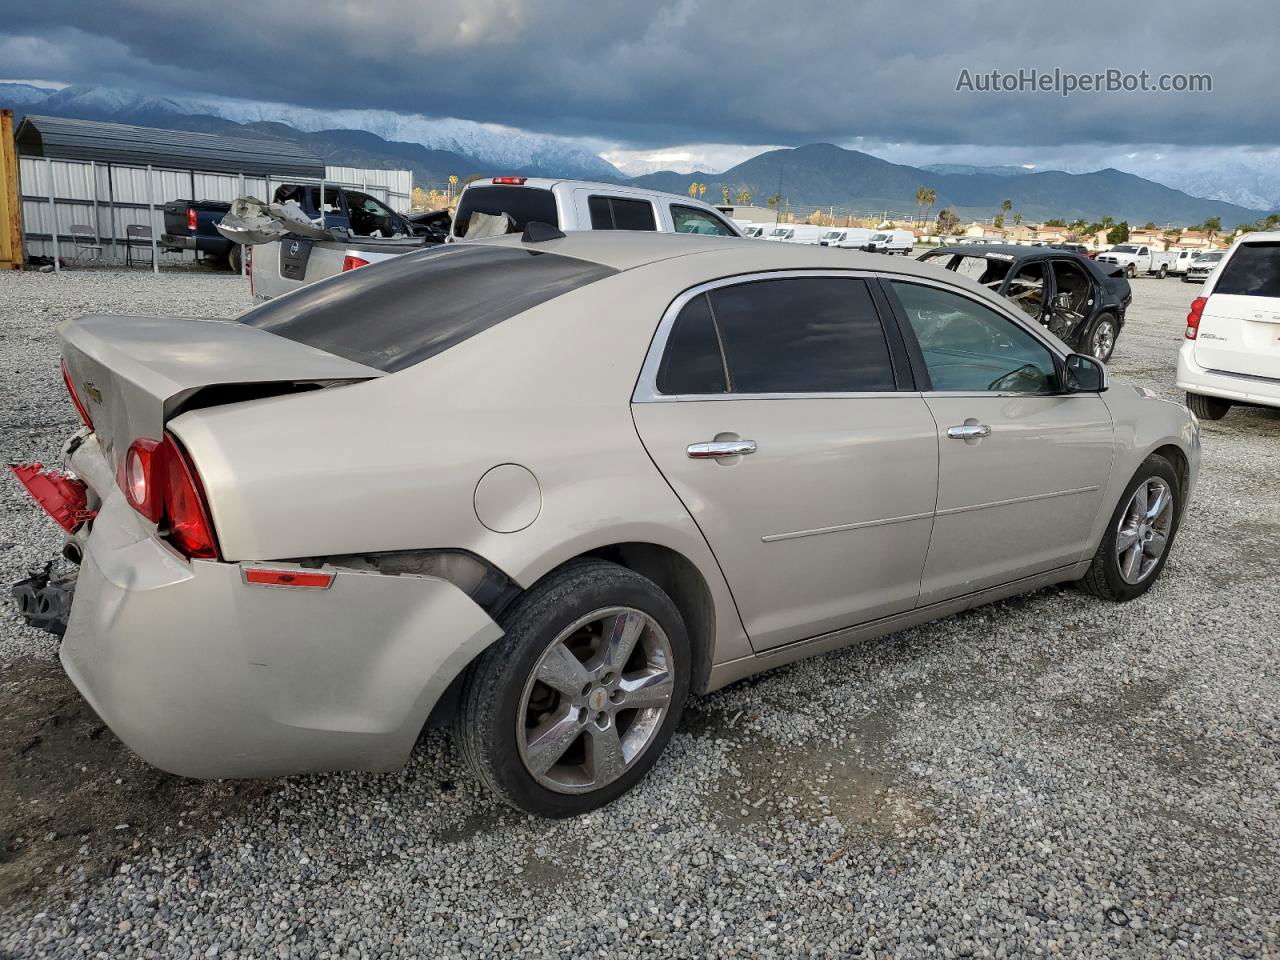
<point x="542" y="488"/>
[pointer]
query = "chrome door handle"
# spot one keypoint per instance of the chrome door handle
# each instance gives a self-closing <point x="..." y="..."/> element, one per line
<point x="714" y="449"/>
<point x="969" y="431"/>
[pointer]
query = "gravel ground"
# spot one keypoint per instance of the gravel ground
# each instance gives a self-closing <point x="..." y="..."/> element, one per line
<point x="1048" y="775"/>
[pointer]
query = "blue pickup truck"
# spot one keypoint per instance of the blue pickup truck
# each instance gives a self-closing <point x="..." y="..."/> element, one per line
<point x="192" y="224"/>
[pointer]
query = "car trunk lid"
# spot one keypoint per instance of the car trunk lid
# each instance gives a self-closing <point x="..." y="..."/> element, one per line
<point x="132" y="374"/>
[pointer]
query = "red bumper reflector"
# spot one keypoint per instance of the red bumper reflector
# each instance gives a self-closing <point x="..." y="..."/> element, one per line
<point x="287" y="578"/>
<point x="64" y="498"/>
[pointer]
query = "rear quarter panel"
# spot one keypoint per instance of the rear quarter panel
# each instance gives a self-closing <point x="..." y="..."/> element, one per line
<point x="393" y="464"/>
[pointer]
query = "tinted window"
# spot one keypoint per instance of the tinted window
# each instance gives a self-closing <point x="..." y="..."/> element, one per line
<point x="615" y="213"/>
<point x="692" y="220"/>
<point x="399" y="312"/>
<point x="1252" y="271"/>
<point x="802" y="335"/>
<point x="518" y="204"/>
<point x="968" y="347"/>
<point x="693" y="362"/>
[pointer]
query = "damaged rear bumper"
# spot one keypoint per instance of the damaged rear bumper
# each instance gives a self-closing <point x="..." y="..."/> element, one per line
<point x="206" y="675"/>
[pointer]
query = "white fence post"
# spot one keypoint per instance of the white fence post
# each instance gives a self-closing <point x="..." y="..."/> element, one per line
<point x="53" y="211"/>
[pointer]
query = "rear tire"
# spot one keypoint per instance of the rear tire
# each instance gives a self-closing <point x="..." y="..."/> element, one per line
<point x="1124" y="567"/>
<point x="560" y="748"/>
<point x="235" y="258"/>
<point x="1099" y="340"/>
<point x="1207" y="408"/>
<point x="1164" y="272"/>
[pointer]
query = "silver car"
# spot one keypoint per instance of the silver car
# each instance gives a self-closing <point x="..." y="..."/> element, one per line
<point x="541" y="489"/>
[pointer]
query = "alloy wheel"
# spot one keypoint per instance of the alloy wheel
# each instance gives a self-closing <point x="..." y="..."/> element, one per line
<point x="1104" y="340"/>
<point x="1142" y="534"/>
<point x="595" y="700"/>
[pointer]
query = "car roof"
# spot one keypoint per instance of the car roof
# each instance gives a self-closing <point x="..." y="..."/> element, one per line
<point x="620" y="189"/>
<point x="1262" y="236"/>
<point x="629" y="249"/>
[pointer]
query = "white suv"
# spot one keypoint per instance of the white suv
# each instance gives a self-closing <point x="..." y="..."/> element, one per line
<point x="1231" y="353"/>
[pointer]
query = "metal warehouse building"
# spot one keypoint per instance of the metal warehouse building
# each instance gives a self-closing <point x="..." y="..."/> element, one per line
<point x="113" y="175"/>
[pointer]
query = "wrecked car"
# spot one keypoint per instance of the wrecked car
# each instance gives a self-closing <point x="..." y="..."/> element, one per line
<point x="1078" y="300"/>
<point x="512" y="499"/>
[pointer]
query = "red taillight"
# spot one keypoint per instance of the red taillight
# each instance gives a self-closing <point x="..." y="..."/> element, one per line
<point x="75" y="397"/>
<point x="161" y="484"/>
<point x="191" y="219"/>
<point x="351" y="263"/>
<point x="64" y="498"/>
<point x="247" y="253"/>
<point x="139" y="475"/>
<point x="266" y="577"/>
<point x="513" y="181"/>
<point x="1193" y="317"/>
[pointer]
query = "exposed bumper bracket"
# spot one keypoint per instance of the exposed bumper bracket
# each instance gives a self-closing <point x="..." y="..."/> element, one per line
<point x="44" y="598"/>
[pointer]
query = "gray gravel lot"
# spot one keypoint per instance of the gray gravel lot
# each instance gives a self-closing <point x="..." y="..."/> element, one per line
<point x="1048" y="775"/>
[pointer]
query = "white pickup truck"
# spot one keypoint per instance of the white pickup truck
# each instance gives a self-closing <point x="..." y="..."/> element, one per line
<point x="486" y="208"/>
<point x="1135" y="259"/>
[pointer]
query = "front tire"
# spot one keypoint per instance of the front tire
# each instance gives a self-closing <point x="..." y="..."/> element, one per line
<point x="1207" y="408"/>
<point x="573" y="705"/>
<point x="1130" y="272"/>
<point x="1139" y="535"/>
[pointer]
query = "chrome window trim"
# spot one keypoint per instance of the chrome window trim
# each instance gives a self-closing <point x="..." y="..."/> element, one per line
<point x="646" y="390"/>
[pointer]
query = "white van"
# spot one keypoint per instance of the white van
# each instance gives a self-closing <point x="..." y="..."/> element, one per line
<point x="492" y="207"/>
<point x="849" y="238"/>
<point x="890" y="242"/>
<point x="1182" y="261"/>
<point x="798" y="233"/>
<point x="753" y="230"/>
<point x="1231" y="350"/>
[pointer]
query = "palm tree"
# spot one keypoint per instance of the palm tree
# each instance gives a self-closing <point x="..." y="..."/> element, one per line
<point x="743" y="197"/>
<point x="926" y="197"/>
<point x="726" y="193"/>
<point x="693" y="189"/>
<point x="1006" y="206"/>
<point x="1017" y="219"/>
<point x="774" y="201"/>
<point x="1212" y="226"/>
<point x="453" y="184"/>
<point x="702" y="190"/>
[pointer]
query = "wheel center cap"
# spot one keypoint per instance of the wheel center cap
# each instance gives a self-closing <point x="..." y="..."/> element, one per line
<point x="597" y="699"/>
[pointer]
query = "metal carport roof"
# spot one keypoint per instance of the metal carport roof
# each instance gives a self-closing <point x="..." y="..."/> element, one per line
<point x="62" y="138"/>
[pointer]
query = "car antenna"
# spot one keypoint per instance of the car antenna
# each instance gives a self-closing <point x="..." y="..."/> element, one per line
<point x="535" y="231"/>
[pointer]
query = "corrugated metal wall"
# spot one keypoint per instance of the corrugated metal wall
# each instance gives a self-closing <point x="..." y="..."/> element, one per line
<point x="109" y="199"/>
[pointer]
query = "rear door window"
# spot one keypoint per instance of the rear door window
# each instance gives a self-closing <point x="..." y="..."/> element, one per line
<point x="399" y="312"/>
<point x="518" y="205"/>
<point x="1252" y="271"/>
<point x="619" y="213"/>
<point x="793" y="335"/>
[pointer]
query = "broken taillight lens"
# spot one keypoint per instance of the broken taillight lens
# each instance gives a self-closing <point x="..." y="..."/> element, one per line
<point x="160" y="483"/>
<point x="75" y="397"/>
<point x="351" y="263"/>
<point x="63" y="497"/>
<point x="1193" y="317"/>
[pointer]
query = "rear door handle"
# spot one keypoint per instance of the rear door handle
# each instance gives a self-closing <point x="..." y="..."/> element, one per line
<point x="714" y="449"/>
<point x="969" y="431"/>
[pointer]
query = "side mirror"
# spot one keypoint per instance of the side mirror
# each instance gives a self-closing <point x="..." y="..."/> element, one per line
<point x="1085" y="374"/>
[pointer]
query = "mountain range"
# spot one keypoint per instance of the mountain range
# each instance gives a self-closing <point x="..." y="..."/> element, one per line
<point x="818" y="175"/>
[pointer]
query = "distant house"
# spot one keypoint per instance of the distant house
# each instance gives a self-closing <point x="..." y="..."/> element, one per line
<point x="1200" y="240"/>
<point x="1156" y="238"/>
<point x="983" y="231"/>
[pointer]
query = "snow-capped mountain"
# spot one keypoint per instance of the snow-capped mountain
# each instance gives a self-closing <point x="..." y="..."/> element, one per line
<point x="492" y="145"/>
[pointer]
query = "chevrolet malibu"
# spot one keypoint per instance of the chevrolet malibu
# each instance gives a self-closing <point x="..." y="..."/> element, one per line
<point x="542" y="488"/>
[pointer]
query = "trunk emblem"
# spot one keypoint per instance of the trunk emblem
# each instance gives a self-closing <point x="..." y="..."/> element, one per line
<point x="92" y="392"/>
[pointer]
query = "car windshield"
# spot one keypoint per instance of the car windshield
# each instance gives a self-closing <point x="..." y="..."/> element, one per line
<point x="881" y="236"/>
<point x="832" y="235"/>
<point x="1124" y="248"/>
<point x="780" y="232"/>
<point x="518" y="205"/>
<point x="1209" y="257"/>
<point x="399" y="312"/>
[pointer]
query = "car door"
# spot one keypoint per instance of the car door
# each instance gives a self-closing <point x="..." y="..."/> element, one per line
<point x="1022" y="466"/>
<point x="773" y="407"/>
<point x="1074" y="297"/>
<point x="1239" y="330"/>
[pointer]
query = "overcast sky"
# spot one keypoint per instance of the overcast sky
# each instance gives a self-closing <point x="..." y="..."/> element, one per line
<point x="714" y="78"/>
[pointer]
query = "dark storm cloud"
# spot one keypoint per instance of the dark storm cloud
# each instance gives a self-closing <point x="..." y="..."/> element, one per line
<point x="669" y="71"/>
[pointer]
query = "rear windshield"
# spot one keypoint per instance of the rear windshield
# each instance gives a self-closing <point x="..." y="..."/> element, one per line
<point x="518" y="204"/>
<point x="1252" y="271"/>
<point x="399" y="312"/>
